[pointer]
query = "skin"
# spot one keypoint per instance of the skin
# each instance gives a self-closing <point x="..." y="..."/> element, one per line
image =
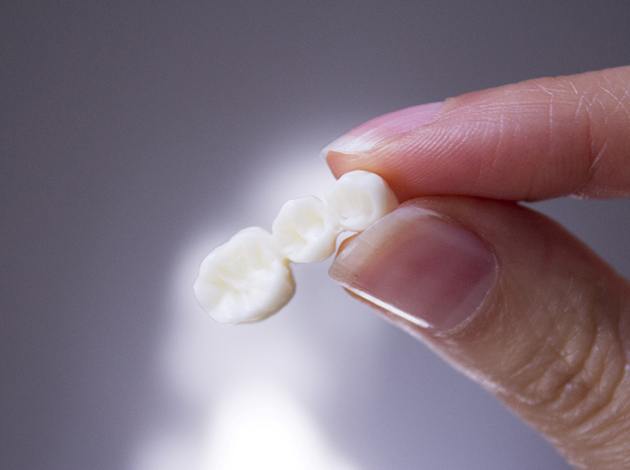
<point x="551" y="338"/>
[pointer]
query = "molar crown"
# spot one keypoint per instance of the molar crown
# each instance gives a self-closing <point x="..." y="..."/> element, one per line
<point x="244" y="280"/>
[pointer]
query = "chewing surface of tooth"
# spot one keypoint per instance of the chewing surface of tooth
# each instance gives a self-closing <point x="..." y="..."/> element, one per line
<point x="305" y="230"/>
<point x="249" y="278"/>
<point x="359" y="198"/>
<point x="245" y="279"/>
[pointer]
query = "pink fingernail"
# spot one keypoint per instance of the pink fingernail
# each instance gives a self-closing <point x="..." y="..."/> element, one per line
<point x="376" y="131"/>
<point x="420" y="267"/>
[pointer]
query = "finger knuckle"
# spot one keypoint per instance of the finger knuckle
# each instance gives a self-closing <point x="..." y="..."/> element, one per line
<point x="576" y="384"/>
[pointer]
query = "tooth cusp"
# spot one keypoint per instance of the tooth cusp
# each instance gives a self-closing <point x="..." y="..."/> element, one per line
<point x="246" y="279"/>
<point x="359" y="198"/>
<point x="305" y="230"/>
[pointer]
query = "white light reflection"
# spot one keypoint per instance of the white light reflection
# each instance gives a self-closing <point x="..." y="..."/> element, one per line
<point x="259" y="427"/>
<point x="253" y="426"/>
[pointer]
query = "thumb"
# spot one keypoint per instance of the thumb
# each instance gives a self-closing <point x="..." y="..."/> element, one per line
<point x="515" y="302"/>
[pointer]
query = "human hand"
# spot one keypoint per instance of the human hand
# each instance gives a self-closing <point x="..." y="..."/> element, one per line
<point x="501" y="292"/>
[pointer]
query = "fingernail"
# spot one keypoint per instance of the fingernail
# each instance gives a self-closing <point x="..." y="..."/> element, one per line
<point x="378" y="130"/>
<point x="420" y="267"/>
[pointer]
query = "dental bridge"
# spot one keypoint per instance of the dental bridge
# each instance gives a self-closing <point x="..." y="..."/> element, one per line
<point x="249" y="277"/>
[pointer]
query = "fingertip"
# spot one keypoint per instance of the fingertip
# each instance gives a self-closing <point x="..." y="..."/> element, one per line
<point x="349" y="151"/>
<point x="527" y="141"/>
<point x="340" y="162"/>
<point x="420" y="266"/>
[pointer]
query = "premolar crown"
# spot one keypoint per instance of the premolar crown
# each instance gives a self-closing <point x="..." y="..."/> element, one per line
<point x="306" y="230"/>
<point x="359" y="199"/>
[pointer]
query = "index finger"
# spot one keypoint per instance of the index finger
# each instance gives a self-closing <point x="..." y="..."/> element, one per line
<point x="531" y="140"/>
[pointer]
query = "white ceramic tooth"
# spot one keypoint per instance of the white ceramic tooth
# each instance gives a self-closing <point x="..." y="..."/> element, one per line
<point x="245" y="279"/>
<point x="305" y="230"/>
<point x="359" y="198"/>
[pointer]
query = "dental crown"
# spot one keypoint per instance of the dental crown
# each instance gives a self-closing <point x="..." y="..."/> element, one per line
<point x="249" y="277"/>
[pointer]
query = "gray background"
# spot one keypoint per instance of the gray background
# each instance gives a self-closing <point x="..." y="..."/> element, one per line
<point x="135" y="135"/>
